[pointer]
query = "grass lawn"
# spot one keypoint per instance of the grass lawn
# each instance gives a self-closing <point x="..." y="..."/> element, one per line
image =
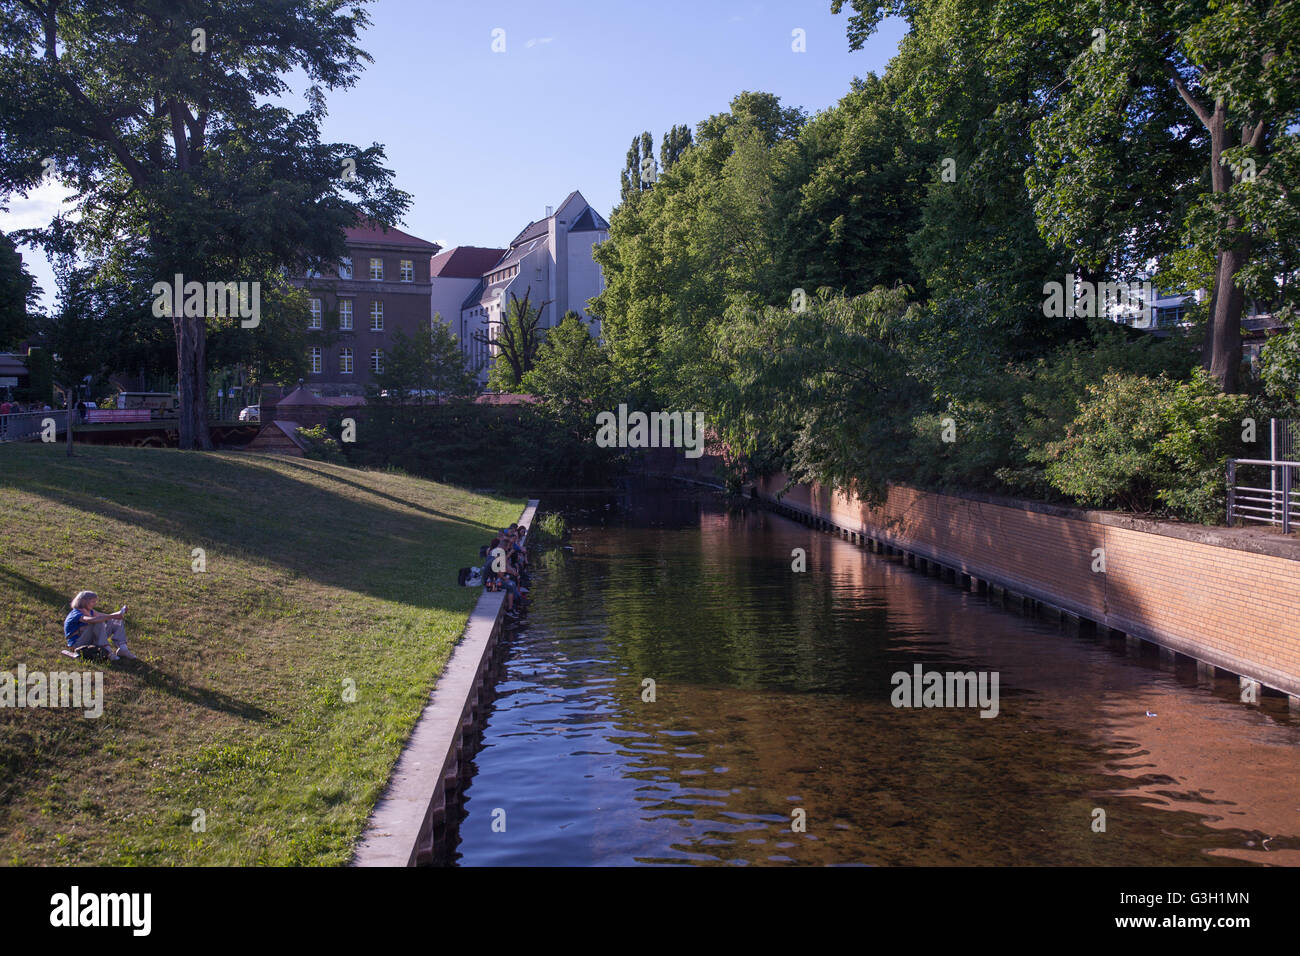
<point x="317" y="575"/>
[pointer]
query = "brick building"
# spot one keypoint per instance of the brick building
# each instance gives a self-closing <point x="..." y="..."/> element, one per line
<point x="357" y="307"/>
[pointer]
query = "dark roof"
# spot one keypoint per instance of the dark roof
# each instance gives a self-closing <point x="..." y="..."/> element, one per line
<point x="300" y="396"/>
<point x="372" y="234"/>
<point x="464" y="262"/>
<point x="589" y="221"/>
<point x="535" y="229"/>
<point x="472" y="300"/>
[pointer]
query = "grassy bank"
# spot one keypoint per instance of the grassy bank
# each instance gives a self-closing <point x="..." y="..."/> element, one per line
<point x="318" y="578"/>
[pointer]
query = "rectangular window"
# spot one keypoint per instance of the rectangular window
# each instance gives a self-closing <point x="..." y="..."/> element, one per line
<point x="315" y="314"/>
<point x="377" y="361"/>
<point x="376" y="268"/>
<point x="345" y="267"/>
<point x="345" y="361"/>
<point x="539" y="273"/>
<point x="408" y="270"/>
<point x="376" y="316"/>
<point x="345" y="315"/>
<point x="313" y="355"/>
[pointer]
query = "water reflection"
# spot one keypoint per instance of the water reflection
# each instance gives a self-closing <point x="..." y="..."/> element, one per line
<point x="772" y="696"/>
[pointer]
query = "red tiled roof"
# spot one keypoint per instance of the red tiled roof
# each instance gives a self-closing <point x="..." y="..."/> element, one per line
<point x="371" y="233"/>
<point x="464" y="262"/>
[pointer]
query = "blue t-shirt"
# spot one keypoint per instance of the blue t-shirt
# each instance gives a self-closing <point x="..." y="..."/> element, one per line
<point x="72" y="625"/>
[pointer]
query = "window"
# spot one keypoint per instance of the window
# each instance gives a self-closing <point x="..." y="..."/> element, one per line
<point x="345" y="361"/>
<point x="376" y="316"/>
<point x="1167" y="317"/>
<point x="539" y="274"/>
<point x="408" y="271"/>
<point x="376" y="268"/>
<point x="345" y="267"/>
<point x="313" y="273"/>
<point x="345" y="315"/>
<point x="377" y="361"/>
<point x="313" y="355"/>
<point x="315" y="314"/>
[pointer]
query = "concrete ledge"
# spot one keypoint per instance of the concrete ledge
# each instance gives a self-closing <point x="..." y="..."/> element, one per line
<point x="401" y="828"/>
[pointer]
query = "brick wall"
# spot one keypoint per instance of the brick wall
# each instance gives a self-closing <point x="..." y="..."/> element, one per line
<point x="1224" y="605"/>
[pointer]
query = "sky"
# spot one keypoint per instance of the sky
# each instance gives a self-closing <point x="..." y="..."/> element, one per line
<point x="484" y="141"/>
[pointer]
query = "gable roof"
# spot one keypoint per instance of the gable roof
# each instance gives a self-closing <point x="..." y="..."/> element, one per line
<point x="540" y="228"/>
<point x="589" y="221"/>
<point x="370" y="233"/>
<point x="464" y="262"/>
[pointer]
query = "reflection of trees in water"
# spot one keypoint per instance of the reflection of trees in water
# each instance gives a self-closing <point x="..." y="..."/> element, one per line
<point x="773" y="693"/>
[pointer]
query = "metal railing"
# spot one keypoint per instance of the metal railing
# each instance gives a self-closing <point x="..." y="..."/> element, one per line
<point x="25" y="426"/>
<point x="1278" y="504"/>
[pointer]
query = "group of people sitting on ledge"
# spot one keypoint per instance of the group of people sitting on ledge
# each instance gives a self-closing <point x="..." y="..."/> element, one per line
<point x="505" y="566"/>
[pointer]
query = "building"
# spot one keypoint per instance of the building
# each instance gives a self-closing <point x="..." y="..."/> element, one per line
<point x="357" y="307"/>
<point x="455" y="274"/>
<point x="550" y="261"/>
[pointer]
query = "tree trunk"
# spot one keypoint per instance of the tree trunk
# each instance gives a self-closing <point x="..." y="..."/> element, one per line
<point x="202" y="434"/>
<point x="1221" y="353"/>
<point x="185" y="380"/>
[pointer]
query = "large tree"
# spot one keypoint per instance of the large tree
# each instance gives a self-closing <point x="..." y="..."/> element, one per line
<point x="18" y="292"/>
<point x="159" y="115"/>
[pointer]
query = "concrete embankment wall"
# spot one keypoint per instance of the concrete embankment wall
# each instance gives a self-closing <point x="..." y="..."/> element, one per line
<point x="1177" y="587"/>
<point x="410" y="819"/>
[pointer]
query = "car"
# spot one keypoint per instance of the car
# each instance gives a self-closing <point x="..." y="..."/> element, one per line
<point x="253" y="413"/>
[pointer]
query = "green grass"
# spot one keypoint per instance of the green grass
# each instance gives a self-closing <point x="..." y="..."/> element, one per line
<point x="317" y="575"/>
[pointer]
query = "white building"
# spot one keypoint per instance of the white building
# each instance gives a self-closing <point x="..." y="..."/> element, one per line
<point x="550" y="261"/>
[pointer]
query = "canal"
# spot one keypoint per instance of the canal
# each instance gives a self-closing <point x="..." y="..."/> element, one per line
<point x="768" y="735"/>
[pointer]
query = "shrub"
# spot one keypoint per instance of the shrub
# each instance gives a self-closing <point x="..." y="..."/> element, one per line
<point x="321" y="446"/>
<point x="1143" y="443"/>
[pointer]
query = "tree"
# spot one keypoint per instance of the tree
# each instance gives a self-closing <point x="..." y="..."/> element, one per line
<point x="156" y="112"/>
<point x="1185" y="114"/>
<point x="632" y="180"/>
<point x="18" y="293"/>
<point x="571" y="372"/>
<point x="515" y="340"/>
<point x="428" y="365"/>
<point x="676" y="141"/>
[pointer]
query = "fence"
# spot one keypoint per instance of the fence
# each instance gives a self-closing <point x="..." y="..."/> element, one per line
<point x="25" y="426"/>
<point x="1277" y="504"/>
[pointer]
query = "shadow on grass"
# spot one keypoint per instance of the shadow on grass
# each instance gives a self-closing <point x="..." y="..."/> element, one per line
<point x="253" y="507"/>
<point x="155" y="677"/>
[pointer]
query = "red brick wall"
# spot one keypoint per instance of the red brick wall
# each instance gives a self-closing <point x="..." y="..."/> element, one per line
<point x="1219" y="604"/>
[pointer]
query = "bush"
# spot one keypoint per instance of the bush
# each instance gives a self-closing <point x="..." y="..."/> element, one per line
<point x="1146" y="443"/>
<point x="321" y="446"/>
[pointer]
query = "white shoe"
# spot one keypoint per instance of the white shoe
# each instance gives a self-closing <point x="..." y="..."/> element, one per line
<point x="126" y="652"/>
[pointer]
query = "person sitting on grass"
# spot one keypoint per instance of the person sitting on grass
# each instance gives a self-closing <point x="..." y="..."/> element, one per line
<point x="85" y="627"/>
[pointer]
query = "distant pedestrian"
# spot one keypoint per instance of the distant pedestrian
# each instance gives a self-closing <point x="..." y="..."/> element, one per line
<point x="5" y="408"/>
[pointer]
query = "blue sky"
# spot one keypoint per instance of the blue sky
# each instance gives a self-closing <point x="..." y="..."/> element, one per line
<point x="485" y="141"/>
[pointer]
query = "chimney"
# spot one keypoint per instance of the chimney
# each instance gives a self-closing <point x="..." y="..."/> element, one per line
<point x="550" y="211"/>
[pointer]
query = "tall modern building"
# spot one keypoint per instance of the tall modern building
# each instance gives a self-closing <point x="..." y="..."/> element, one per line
<point x="550" y="261"/>
<point x="359" y="304"/>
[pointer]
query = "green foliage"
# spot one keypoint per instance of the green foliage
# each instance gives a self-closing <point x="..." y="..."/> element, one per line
<point x="18" y="293"/>
<point x="429" y="362"/>
<point x="548" y="531"/>
<point x="1146" y="443"/>
<point x="1281" y="364"/>
<point x="481" y="446"/>
<point x="516" y="340"/>
<point x="321" y="445"/>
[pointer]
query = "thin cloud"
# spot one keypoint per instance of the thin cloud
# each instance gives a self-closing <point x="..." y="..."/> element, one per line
<point x="537" y="41"/>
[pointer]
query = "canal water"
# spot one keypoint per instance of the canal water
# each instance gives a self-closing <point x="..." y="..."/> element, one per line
<point x="769" y="735"/>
